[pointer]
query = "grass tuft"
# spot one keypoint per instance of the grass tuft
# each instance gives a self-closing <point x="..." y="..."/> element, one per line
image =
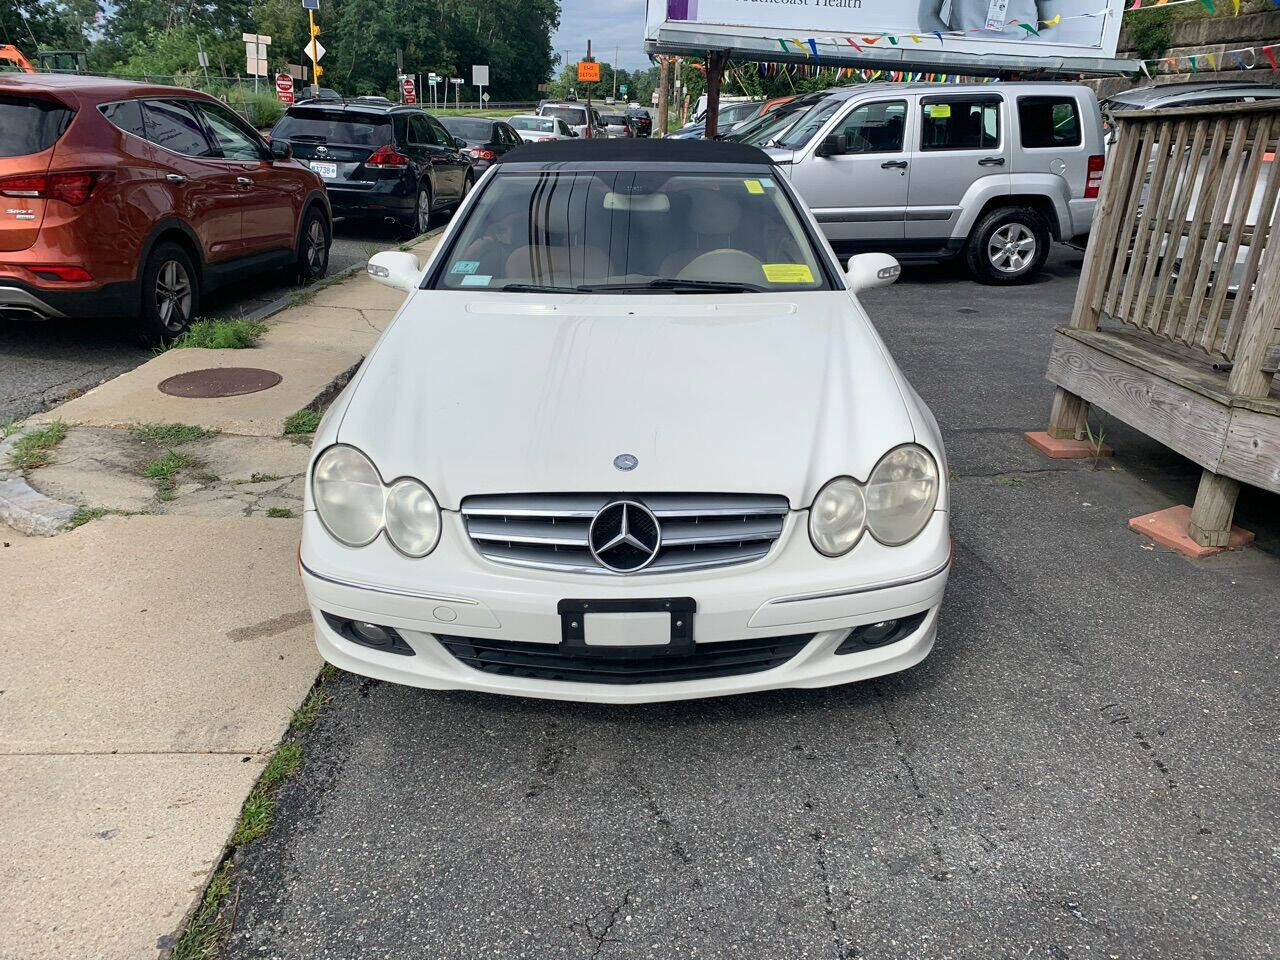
<point x="302" y="421"/>
<point x="164" y="472"/>
<point x="85" y="514"/>
<point x="283" y="513"/>
<point x="306" y="714"/>
<point x="263" y="478"/>
<point x="8" y="428"/>
<point x="35" y="448"/>
<point x="169" y="434"/>
<point x="221" y="335"/>
<point x="260" y="807"/>
<point x="203" y="936"/>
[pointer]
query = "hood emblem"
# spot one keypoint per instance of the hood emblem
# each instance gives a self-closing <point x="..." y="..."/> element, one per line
<point x="626" y="461"/>
<point x="624" y="536"/>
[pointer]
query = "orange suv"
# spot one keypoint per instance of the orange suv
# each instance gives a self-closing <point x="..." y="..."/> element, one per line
<point x="130" y="200"/>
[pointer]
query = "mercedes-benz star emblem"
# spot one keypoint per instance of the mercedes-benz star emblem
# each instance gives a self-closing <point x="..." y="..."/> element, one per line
<point x="624" y="536"/>
<point x="626" y="461"/>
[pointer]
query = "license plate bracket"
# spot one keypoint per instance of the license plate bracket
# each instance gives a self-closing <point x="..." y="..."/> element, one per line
<point x="328" y="171"/>
<point x="680" y="611"/>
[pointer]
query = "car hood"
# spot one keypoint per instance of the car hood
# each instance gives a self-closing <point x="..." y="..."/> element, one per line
<point x="504" y="393"/>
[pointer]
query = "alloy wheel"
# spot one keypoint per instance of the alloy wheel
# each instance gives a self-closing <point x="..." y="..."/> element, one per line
<point x="315" y="246"/>
<point x="424" y="211"/>
<point x="1012" y="248"/>
<point x="173" y="296"/>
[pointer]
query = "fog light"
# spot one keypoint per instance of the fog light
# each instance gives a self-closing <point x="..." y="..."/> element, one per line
<point x="881" y="633"/>
<point x="372" y="635"/>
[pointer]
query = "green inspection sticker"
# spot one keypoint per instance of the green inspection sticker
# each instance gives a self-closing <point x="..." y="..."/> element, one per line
<point x="476" y="280"/>
<point x="465" y="266"/>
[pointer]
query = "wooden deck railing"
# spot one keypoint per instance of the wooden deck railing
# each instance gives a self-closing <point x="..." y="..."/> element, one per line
<point x="1180" y="256"/>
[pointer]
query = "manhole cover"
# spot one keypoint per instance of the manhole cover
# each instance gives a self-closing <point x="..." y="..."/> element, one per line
<point x="220" y="382"/>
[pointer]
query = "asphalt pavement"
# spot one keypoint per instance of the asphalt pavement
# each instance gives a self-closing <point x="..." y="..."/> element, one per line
<point x="43" y="363"/>
<point x="1084" y="767"/>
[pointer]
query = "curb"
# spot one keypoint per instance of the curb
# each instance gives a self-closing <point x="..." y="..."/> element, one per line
<point x="23" y="507"/>
<point x="33" y="513"/>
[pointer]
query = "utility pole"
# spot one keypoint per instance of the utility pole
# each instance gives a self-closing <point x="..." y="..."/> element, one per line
<point x="615" y="71"/>
<point x="664" y="92"/>
<point x="590" y="126"/>
<point x="716" y="60"/>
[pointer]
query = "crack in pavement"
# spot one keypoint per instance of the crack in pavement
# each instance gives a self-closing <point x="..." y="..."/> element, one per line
<point x="612" y="918"/>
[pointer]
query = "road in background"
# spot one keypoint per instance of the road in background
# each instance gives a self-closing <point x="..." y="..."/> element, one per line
<point x="43" y="363"/>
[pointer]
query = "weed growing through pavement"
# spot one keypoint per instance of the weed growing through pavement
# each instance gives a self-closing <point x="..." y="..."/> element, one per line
<point x="164" y="472"/>
<point x="306" y="714"/>
<point x="1013" y="480"/>
<point x="1095" y="442"/>
<point x="220" y="335"/>
<point x="302" y="421"/>
<point x="283" y="513"/>
<point x="35" y="448"/>
<point x="261" y="478"/>
<point x="85" y="514"/>
<point x="255" y="817"/>
<point x="169" y="434"/>
<point x="8" y="428"/>
<point x="203" y="935"/>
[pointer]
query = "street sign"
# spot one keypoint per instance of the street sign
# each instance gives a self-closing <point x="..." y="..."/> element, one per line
<point x="622" y="89"/>
<point x="408" y="89"/>
<point x="588" y="72"/>
<point x="255" y="53"/>
<point x="204" y="59"/>
<point x="284" y="88"/>
<point x="480" y="76"/>
<point x="484" y="97"/>
<point x="455" y="80"/>
<point x="310" y="4"/>
<point x="315" y="50"/>
<point x="433" y="78"/>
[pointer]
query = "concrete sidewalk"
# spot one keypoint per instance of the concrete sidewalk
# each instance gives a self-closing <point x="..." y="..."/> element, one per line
<point x="150" y="664"/>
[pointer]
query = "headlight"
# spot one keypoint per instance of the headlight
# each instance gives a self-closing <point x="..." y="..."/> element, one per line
<point x="349" y="495"/>
<point x="838" y="517"/>
<point x="901" y="494"/>
<point x="413" y="518"/>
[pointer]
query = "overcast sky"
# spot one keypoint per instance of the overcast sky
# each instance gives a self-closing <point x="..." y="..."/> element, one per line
<point x="608" y="23"/>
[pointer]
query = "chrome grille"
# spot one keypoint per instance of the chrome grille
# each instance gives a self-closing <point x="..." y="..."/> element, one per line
<point x="699" y="530"/>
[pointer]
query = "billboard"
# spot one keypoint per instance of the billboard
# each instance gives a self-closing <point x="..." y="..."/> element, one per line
<point x="908" y="31"/>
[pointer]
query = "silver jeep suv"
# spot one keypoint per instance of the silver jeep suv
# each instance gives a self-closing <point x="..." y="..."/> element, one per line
<point x="990" y="172"/>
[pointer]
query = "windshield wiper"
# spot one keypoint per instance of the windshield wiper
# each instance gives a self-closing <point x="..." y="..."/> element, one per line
<point x="673" y="283"/>
<point x="536" y="288"/>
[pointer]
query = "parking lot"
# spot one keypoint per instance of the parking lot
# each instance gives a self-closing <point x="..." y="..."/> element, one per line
<point x="1084" y="767"/>
<point x="42" y="363"/>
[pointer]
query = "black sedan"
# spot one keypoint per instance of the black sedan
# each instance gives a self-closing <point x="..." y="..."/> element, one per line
<point x="379" y="159"/>
<point x="487" y="139"/>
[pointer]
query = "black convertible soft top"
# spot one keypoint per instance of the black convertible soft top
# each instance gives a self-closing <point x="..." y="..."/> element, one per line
<point x="640" y="150"/>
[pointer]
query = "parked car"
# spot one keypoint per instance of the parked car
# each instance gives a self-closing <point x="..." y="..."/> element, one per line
<point x="532" y="128"/>
<point x="122" y="199"/>
<point x="576" y="116"/>
<point x="674" y="530"/>
<point x="1157" y="96"/>
<point x="617" y="125"/>
<point x="641" y="121"/>
<point x="728" y="117"/>
<point x="384" y="160"/>
<point x="760" y="131"/>
<point x="487" y="139"/>
<point x="990" y="172"/>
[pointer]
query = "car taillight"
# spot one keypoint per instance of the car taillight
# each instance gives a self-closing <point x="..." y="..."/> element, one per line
<point x="480" y="153"/>
<point x="1093" y="182"/>
<point x="54" y="271"/>
<point x="73" y="188"/>
<point x="387" y="158"/>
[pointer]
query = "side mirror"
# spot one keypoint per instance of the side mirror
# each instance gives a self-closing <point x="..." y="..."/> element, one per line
<point x="400" y="271"/>
<point x="833" y="144"/>
<point x="459" y="142"/>
<point x="281" y="150"/>
<point x="869" y="270"/>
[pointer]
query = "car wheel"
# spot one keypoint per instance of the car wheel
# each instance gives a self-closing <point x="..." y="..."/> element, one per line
<point x="1008" y="246"/>
<point x="313" y="246"/>
<point x="170" y="293"/>
<point x="467" y="183"/>
<point x="421" y="222"/>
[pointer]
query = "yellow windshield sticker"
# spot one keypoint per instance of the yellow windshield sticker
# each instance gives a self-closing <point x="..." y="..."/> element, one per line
<point x="753" y="186"/>
<point x="787" y="273"/>
<point x="939" y="111"/>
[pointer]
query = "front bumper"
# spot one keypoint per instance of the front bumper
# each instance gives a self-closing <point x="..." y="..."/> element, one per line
<point x="456" y="593"/>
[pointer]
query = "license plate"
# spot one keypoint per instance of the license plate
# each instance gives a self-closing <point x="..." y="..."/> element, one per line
<point x="327" y="170"/>
<point x="626" y="629"/>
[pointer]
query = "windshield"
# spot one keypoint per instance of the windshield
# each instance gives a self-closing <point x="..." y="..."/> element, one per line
<point x="794" y="132"/>
<point x="571" y="115"/>
<point x="534" y="124"/>
<point x="335" y="126"/>
<point x="469" y="128"/>
<point x="774" y="121"/>
<point x="614" y="232"/>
